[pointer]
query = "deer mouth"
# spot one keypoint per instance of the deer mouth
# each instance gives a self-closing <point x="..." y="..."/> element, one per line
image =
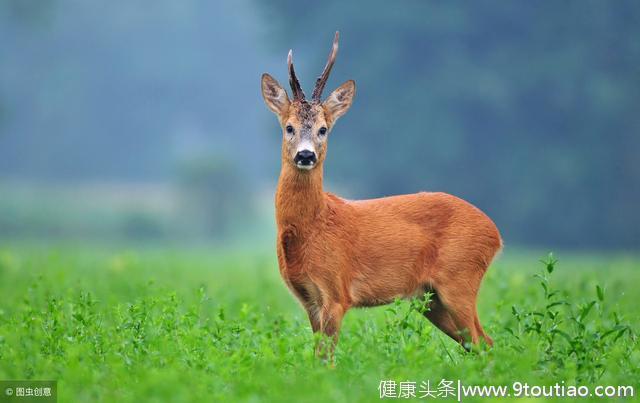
<point x="305" y="165"/>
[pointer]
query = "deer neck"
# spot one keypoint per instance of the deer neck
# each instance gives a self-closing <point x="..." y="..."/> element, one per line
<point x="300" y="198"/>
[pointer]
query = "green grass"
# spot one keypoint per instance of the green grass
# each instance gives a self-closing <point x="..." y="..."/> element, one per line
<point x="177" y="324"/>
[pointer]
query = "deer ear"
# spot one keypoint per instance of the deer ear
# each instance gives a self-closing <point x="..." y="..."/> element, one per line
<point x="274" y="95"/>
<point x="339" y="102"/>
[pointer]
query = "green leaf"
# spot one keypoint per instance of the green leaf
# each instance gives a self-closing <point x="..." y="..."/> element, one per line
<point x="551" y="305"/>
<point x="550" y="263"/>
<point x="585" y="310"/>
<point x="621" y="332"/>
<point x="563" y="334"/>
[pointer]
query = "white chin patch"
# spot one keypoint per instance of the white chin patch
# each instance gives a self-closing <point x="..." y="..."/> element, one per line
<point x="305" y="167"/>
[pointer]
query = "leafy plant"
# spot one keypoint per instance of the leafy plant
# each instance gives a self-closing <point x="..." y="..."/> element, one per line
<point x="567" y="331"/>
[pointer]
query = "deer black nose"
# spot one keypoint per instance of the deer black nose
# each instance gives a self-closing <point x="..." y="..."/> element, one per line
<point x="305" y="157"/>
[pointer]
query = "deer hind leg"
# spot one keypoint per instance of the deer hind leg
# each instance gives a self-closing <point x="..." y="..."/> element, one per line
<point x="463" y="313"/>
<point x="441" y="318"/>
<point x="458" y="299"/>
<point x="486" y="337"/>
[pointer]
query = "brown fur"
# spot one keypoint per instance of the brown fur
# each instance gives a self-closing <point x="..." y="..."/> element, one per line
<point x="335" y="254"/>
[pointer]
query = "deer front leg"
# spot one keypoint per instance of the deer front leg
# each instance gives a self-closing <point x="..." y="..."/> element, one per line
<point x="313" y="311"/>
<point x="331" y="315"/>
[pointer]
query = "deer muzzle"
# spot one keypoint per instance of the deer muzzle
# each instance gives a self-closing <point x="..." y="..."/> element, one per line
<point x="305" y="159"/>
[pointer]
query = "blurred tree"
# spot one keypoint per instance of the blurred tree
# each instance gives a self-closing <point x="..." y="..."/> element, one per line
<point x="34" y="13"/>
<point x="526" y="109"/>
<point x="216" y="198"/>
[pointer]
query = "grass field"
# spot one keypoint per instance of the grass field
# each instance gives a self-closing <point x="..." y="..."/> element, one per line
<point x="188" y="324"/>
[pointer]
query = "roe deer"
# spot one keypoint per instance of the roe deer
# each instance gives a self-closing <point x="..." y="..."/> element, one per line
<point x="335" y="254"/>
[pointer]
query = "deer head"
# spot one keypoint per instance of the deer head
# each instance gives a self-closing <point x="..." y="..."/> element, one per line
<point x="306" y="124"/>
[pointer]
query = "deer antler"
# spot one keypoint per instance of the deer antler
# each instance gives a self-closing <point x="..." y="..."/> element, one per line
<point x="321" y="81"/>
<point x="293" y="80"/>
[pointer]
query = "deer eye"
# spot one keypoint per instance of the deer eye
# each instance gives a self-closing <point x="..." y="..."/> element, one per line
<point x="322" y="131"/>
<point x="289" y="129"/>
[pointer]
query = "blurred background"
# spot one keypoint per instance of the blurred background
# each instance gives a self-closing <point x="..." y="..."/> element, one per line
<point x="143" y="120"/>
